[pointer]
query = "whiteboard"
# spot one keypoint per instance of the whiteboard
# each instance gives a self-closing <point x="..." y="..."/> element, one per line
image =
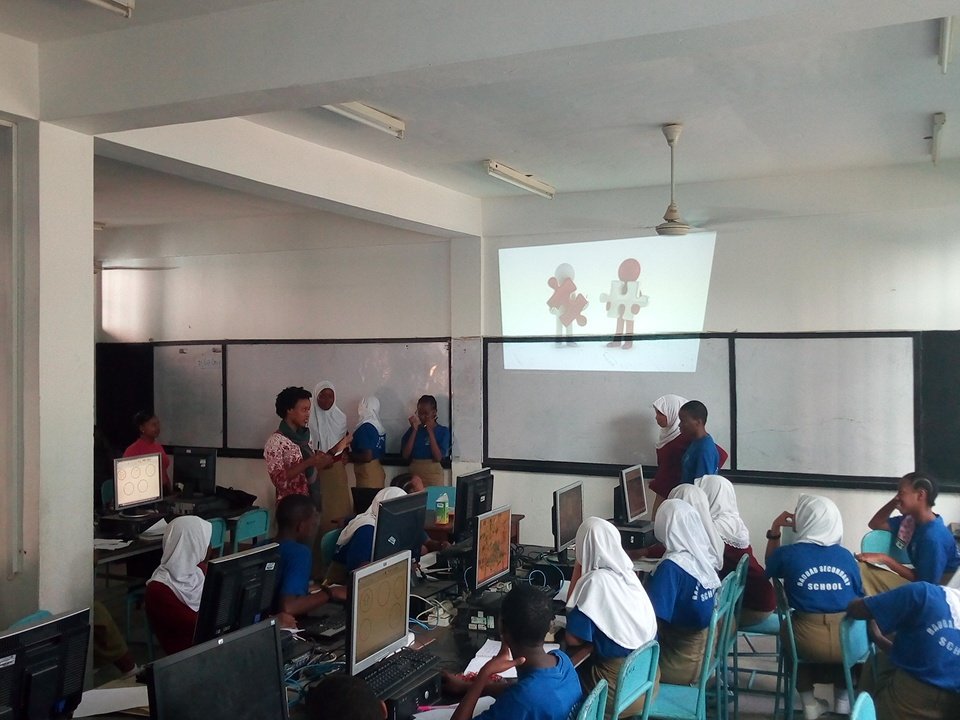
<point x="837" y="406"/>
<point x="397" y="373"/>
<point x="597" y="417"/>
<point x="466" y="386"/>
<point x="188" y="394"/>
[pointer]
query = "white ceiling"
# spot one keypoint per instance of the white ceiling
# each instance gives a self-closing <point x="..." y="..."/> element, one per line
<point x="762" y="92"/>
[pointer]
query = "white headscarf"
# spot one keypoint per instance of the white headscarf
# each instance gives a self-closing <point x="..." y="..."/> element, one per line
<point x="724" y="510"/>
<point x="669" y="405"/>
<point x="608" y="591"/>
<point x="369" y="412"/>
<point x="693" y="495"/>
<point x="817" y="520"/>
<point x="185" y="544"/>
<point x="370" y="516"/>
<point x="327" y="427"/>
<point x="680" y="529"/>
<point x="953" y="602"/>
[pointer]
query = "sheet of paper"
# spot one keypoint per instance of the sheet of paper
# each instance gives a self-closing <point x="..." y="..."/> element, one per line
<point x="110" y="544"/>
<point x="104" y="701"/>
<point x="428" y="560"/>
<point x="562" y="592"/>
<point x="647" y="565"/>
<point x="490" y="649"/>
<point x="156" y="529"/>
<point x="446" y="712"/>
<point x="559" y="621"/>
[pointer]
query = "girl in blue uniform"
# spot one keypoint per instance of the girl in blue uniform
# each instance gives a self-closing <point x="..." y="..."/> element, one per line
<point x="426" y="442"/>
<point x="682" y="590"/>
<point x="368" y="445"/>
<point x="355" y="544"/>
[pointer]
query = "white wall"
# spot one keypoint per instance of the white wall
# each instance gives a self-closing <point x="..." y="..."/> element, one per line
<point x="20" y="77"/>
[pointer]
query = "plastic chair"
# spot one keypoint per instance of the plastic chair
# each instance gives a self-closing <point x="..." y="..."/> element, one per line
<point x="31" y="619"/>
<point x="250" y="526"/>
<point x="883" y="541"/>
<point x="218" y="535"/>
<point x="729" y="597"/>
<point x="863" y="708"/>
<point x="689" y="702"/>
<point x="637" y="676"/>
<point x="107" y="491"/>
<point x="595" y="703"/>
<point x="328" y="545"/>
<point x="855" y="647"/>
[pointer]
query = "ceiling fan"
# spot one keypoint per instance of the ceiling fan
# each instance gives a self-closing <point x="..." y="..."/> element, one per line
<point x="673" y="223"/>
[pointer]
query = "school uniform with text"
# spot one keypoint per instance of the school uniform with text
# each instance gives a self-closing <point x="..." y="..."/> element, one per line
<point x="544" y="694"/>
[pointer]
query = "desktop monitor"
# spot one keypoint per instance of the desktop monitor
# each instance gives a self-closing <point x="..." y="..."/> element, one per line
<point x="474" y="497"/>
<point x="42" y="667"/>
<point x="239" y="675"/>
<point x="632" y="495"/>
<point x="379" y="611"/>
<point x="567" y="515"/>
<point x="491" y="544"/>
<point x="137" y="481"/>
<point x="400" y="523"/>
<point x="196" y="469"/>
<point x="238" y="591"/>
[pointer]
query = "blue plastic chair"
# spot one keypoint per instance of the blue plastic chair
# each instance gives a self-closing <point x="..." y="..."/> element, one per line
<point x="856" y="648"/>
<point x="637" y="676"/>
<point x="863" y="708"/>
<point x="689" y="702"/>
<point x="594" y="704"/>
<point x="218" y="535"/>
<point x="328" y="545"/>
<point x="31" y="619"/>
<point x="106" y="494"/>
<point x="252" y="525"/>
<point x="883" y="541"/>
<point x="733" y="595"/>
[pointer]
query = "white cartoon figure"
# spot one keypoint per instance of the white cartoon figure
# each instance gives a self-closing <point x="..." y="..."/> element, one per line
<point x="624" y="302"/>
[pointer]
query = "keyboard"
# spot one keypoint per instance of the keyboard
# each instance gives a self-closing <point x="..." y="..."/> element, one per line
<point x="397" y="669"/>
<point x="323" y="628"/>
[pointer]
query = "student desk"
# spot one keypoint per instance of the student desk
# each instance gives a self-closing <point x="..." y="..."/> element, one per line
<point x="443" y="533"/>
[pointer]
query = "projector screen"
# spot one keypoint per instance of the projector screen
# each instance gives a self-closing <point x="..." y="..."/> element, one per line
<point x="643" y="286"/>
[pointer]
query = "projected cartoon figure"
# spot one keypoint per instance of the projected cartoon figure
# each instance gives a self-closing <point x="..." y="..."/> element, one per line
<point x="566" y="303"/>
<point x="624" y="301"/>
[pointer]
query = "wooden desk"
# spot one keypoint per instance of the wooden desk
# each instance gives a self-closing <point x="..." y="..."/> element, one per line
<point x="444" y="533"/>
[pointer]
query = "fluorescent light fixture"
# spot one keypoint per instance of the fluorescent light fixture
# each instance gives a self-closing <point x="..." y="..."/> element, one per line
<point x="371" y="117"/>
<point x="121" y="7"/>
<point x="939" y="120"/>
<point x="947" y="27"/>
<point x="519" y="179"/>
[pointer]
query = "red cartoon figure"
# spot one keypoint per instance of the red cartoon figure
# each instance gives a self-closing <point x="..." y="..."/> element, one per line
<point x="566" y="303"/>
<point x="624" y="301"/>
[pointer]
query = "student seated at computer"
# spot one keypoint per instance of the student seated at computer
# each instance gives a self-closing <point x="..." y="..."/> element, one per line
<point x="173" y="592"/>
<point x="759" y="600"/>
<point x="607" y="609"/>
<point x="355" y="544"/>
<point x="929" y="543"/>
<point x="918" y="677"/>
<point x="820" y="578"/>
<point x="343" y="697"/>
<point x="148" y="427"/>
<point x="682" y="590"/>
<point x="408" y="482"/>
<point x="547" y="686"/>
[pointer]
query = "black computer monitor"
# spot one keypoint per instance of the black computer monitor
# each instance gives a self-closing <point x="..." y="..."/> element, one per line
<point x="237" y="676"/>
<point x="630" y="499"/>
<point x="379" y="611"/>
<point x="400" y="523"/>
<point x="137" y="481"/>
<point x="474" y="497"/>
<point x="196" y="469"/>
<point x="567" y="515"/>
<point x="238" y="591"/>
<point x="42" y="667"/>
<point x="491" y="544"/>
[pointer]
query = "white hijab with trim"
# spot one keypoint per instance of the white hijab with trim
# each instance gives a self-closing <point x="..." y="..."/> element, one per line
<point x="327" y="427"/>
<point x="185" y="544"/>
<point x="369" y="411"/>
<point x="695" y="496"/>
<point x="680" y="529"/>
<point x="953" y="602"/>
<point x="817" y="520"/>
<point x="370" y="516"/>
<point x="608" y="591"/>
<point x="670" y="406"/>
<point x="724" y="510"/>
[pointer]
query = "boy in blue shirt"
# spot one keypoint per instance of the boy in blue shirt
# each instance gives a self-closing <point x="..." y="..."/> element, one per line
<point x="297" y="523"/>
<point x="547" y="687"/>
<point x="701" y="456"/>
<point x="922" y="676"/>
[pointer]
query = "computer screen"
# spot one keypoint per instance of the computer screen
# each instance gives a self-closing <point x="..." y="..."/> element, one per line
<point x="239" y="675"/>
<point x="474" y="497"/>
<point x="42" y="667"/>
<point x="567" y="515"/>
<point x="634" y="492"/>
<point x="492" y="547"/>
<point x="238" y="591"/>
<point x="400" y="524"/>
<point x="379" y="611"/>
<point x="137" y="480"/>
<point x="196" y="469"/>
